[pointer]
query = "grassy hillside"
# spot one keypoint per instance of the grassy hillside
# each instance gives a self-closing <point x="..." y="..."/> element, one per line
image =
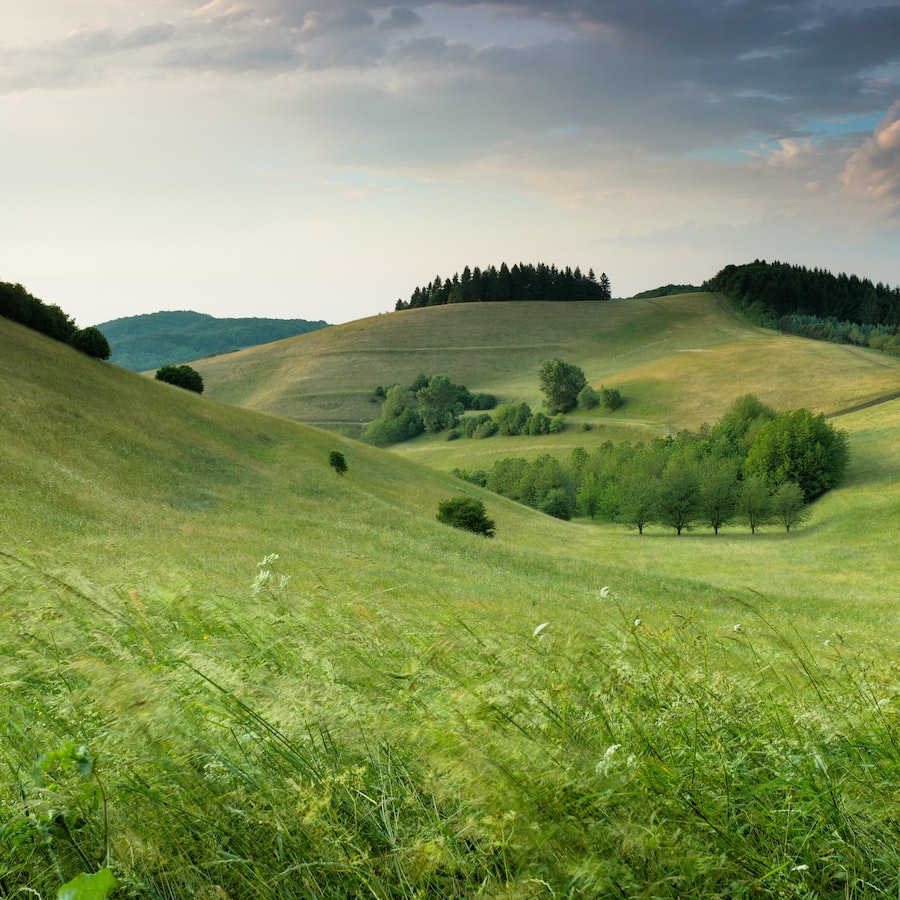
<point x="678" y="361"/>
<point x="412" y="710"/>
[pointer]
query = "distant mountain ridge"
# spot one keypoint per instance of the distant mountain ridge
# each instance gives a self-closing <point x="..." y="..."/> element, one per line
<point x="172" y="337"/>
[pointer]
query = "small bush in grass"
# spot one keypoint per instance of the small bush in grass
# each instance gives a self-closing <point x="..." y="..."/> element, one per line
<point x="337" y="461"/>
<point x="181" y="376"/>
<point x="467" y="513"/>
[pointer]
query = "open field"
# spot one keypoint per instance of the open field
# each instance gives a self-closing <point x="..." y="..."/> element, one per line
<point x="392" y="708"/>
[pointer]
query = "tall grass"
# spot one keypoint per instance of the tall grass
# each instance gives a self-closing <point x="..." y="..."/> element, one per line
<point x="297" y="744"/>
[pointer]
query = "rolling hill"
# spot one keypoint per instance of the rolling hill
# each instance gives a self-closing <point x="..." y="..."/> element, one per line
<point x="156" y="339"/>
<point x="677" y="360"/>
<point x="229" y="671"/>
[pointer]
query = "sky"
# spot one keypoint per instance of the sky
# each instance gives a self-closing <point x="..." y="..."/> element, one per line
<point x="320" y="160"/>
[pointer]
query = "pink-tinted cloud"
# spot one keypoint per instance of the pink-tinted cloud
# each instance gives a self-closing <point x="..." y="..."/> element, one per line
<point x="874" y="170"/>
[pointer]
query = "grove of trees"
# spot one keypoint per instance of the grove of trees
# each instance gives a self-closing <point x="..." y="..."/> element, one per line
<point x="755" y="466"/>
<point x="524" y="281"/>
<point x="429" y="404"/>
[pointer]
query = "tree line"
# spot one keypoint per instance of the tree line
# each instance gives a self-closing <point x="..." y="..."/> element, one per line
<point x="524" y="281"/>
<point x="814" y="303"/>
<point x="755" y="466"/>
<point x="18" y="305"/>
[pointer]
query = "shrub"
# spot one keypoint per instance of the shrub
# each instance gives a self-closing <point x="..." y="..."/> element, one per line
<point x="337" y="461"/>
<point x="181" y="376"/>
<point x="611" y="398"/>
<point x="467" y="513"/>
<point x="90" y="341"/>
<point x="588" y="398"/>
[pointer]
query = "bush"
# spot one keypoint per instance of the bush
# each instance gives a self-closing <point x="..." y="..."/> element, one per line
<point x="90" y="341"/>
<point x="611" y="398"/>
<point x="466" y="513"/>
<point x="181" y="376"/>
<point x="588" y="398"/>
<point x="337" y="461"/>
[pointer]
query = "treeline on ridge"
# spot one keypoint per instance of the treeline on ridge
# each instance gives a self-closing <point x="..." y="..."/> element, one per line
<point x="18" y="305"/>
<point x="524" y="281"/>
<point x="755" y="465"/>
<point x="814" y="303"/>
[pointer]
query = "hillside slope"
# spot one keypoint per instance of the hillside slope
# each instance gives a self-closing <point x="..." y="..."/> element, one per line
<point x="678" y="361"/>
<point x="149" y="341"/>
<point x="391" y="707"/>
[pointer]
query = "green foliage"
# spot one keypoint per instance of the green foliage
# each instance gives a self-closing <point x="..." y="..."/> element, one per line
<point x="439" y="404"/>
<point x="611" y="398"/>
<point x="89" y="887"/>
<point x="399" y="419"/>
<point x="755" y="501"/>
<point x="561" y="383"/>
<point x="512" y="418"/>
<point x="521" y="282"/>
<point x="337" y="461"/>
<point x="20" y="306"/>
<point x="90" y="341"/>
<point x="787" y="505"/>
<point x="588" y="398"/>
<point x="681" y="482"/>
<point x="812" y="302"/>
<point x="467" y="513"/>
<point x="181" y="376"/>
<point x="800" y="447"/>
<point x="678" y="493"/>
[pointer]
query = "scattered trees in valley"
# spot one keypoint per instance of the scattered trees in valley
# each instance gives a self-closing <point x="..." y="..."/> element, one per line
<point x="755" y="467"/>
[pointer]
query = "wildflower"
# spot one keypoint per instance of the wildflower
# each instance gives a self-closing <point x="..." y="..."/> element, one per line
<point x="637" y="623"/>
<point x="801" y="868"/>
<point x="540" y="628"/>
<point x="603" y="767"/>
<point x="738" y="627"/>
<point x="604" y="592"/>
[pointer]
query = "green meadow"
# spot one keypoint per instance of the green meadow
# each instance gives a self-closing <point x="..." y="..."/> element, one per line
<point x="230" y="672"/>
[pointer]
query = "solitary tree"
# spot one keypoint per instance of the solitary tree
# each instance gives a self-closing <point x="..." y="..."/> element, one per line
<point x="561" y="383"/>
<point x="337" y="461"/>
<point x="467" y="513"/>
<point x="181" y="376"/>
<point x="90" y="341"/>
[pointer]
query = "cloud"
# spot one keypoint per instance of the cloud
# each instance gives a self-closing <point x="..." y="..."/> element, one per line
<point x="873" y="172"/>
<point x="400" y="19"/>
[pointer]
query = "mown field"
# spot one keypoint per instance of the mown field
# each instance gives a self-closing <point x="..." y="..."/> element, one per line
<point x="392" y="708"/>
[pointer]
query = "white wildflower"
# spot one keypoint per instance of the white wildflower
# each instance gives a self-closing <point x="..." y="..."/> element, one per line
<point x="738" y="627"/>
<point x="605" y="765"/>
<point x="801" y="868"/>
<point x="539" y="629"/>
<point x="637" y="623"/>
<point x="604" y="592"/>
